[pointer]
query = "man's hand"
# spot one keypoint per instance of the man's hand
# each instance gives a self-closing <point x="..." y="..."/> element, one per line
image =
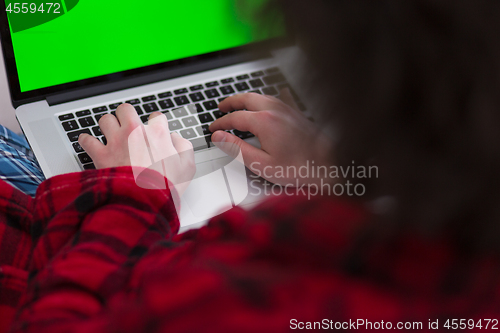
<point x="127" y="145"/>
<point x="287" y="137"/>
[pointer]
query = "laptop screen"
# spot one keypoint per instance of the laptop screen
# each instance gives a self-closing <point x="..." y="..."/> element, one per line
<point x="71" y="40"/>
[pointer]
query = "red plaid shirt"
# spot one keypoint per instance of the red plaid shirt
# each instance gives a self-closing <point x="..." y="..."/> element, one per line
<point x="95" y="253"/>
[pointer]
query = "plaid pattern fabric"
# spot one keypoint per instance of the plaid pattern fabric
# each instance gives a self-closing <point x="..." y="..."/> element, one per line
<point x="95" y="253"/>
<point x="18" y="165"/>
<point x="99" y="223"/>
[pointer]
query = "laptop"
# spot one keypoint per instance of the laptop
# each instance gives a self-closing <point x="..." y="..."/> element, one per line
<point x="70" y="62"/>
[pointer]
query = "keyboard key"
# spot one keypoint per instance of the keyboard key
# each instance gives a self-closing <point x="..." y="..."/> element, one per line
<point x="84" y="158"/>
<point x="205" y="118"/>
<point x="166" y="104"/>
<point x="199" y="143"/>
<point x="149" y="98"/>
<point x="188" y="133"/>
<point x="104" y="140"/>
<point x="86" y="122"/>
<point x="210" y="105"/>
<point x="198" y="108"/>
<point x="286" y="85"/>
<point x="218" y="114"/>
<point x="271" y="91"/>
<point x="203" y="130"/>
<point x="212" y="93"/>
<point x="168" y="115"/>
<point x="211" y="84"/>
<point x="196" y="87"/>
<point x="77" y="148"/>
<point x="100" y="109"/>
<point x="272" y="70"/>
<point x="242" y="86"/>
<point x="150" y="107"/>
<point x="83" y="113"/>
<point x="180" y="91"/>
<point x="90" y="166"/>
<point x="273" y="79"/>
<point x="206" y="130"/>
<point x="98" y="116"/>
<point x="97" y="131"/>
<point x="180" y="112"/>
<point x="113" y="113"/>
<point x="66" y="116"/>
<point x="196" y="97"/>
<point x="257" y="91"/>
<point x="174" y="125"/>
<point x="242" y="77"/>
<point x="114" y="106"/>
<point x="133" y="101"/>
<point x="192" y="108"/>
<point x="243" y="135"/>
<point x="256" y="83"/>
<point x="145" y="118"/>
<point x="138" y="109"/>
<point x="70" y="125"/>
<point x="165" y="95"/>
<point x="189" y="121"/>
<point x="73" y="136"/>
<point x="221" y="99"/>
<point x="181" y="100"/>
<point x="226" y="90"/>
<point x="226" y="81"/>
<point x="257" y="74"/>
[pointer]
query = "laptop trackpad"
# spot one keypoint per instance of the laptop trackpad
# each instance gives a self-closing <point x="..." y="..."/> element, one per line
<point x="212" y="191"/>
<point x="207" y="194"/>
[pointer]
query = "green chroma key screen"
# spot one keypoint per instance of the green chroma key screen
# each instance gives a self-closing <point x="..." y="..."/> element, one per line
<point x="70" y="40"/>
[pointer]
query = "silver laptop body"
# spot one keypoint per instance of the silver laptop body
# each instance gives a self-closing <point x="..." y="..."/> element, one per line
<point x="52" y="123"/>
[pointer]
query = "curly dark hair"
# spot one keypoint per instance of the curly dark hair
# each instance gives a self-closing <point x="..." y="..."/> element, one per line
<point x="413" y="87"/>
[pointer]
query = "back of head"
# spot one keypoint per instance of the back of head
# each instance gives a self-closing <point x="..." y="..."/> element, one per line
<point x="414" y="88"/>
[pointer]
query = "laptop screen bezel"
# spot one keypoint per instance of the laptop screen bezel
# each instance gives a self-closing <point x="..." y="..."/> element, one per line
<point x="19" y="98"/>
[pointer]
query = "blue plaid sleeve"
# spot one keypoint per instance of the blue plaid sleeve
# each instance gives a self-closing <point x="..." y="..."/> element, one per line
<point x="18" y="165"/>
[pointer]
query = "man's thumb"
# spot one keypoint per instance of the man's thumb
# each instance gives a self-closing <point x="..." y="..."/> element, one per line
<point x="253" y="158"/>
<point x="228" y="143"/>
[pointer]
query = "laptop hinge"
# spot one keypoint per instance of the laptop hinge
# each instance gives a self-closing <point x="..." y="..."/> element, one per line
<point x="143" y="79"/>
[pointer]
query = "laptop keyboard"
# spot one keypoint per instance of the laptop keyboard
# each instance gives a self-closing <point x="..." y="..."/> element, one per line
<point x="189" y="110"/>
